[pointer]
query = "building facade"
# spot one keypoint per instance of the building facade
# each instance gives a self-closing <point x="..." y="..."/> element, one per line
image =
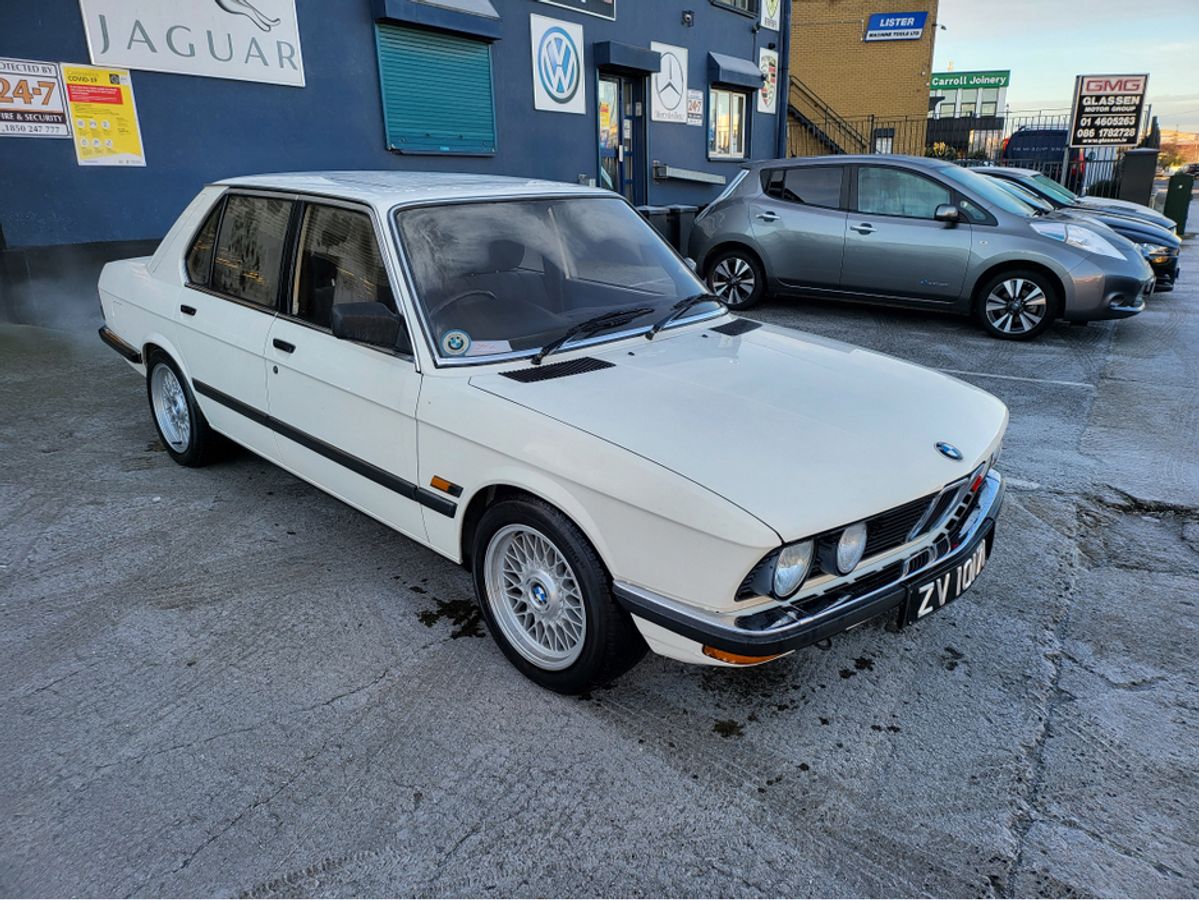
<point x="859" y="76"/>
<point x="659" y="101"/>
<point x="966" y="111"/>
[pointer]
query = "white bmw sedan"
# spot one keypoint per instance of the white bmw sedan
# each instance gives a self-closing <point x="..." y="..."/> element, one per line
<point x="525" y="377"/>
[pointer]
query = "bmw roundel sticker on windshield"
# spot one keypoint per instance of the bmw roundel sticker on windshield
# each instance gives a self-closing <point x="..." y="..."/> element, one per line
<point x="455" y="343"/>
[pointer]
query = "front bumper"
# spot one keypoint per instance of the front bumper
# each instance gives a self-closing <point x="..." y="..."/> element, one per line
<point x="1165" y="268"/>
<point x="786" y="628"/>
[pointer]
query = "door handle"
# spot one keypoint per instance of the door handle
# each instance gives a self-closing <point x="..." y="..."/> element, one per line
<point x="768" y="216"/>
<point x="864" y="228"/>
<point x="187" y="310"/>
<point x="283" y="345"/>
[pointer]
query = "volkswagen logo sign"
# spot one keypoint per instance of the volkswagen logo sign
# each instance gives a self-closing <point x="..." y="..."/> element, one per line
<point x="948" y="450"/>
<point x="558" y="65"/>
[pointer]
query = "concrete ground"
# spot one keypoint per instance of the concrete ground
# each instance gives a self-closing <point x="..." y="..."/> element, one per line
<point x="221" y="681"/>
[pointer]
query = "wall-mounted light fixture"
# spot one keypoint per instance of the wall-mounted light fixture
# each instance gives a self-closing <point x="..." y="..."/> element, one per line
<point x="688" y="18"/>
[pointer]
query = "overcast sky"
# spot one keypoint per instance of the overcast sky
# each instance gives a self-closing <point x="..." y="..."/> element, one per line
<point x="1047" y="42"/>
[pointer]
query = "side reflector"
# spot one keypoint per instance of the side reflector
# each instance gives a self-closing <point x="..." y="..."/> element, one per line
<point x="738" y="659"/>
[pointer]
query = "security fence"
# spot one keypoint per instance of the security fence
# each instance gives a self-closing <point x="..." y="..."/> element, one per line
<point x="1032" y="140"/>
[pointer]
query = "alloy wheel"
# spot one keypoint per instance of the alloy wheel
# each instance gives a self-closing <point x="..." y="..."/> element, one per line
<point x="1016" y="306"/>
<point x="534" y="597"/>
<point x="733" y="280"/>
<point x="170" y="408"/>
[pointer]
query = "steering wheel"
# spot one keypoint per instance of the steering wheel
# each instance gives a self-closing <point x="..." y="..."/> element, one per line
<point x="458" y="298"/>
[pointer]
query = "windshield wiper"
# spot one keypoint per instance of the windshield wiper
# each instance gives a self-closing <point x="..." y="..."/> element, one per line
<point x="681" y="307"/>
<point x="609" y="319"/>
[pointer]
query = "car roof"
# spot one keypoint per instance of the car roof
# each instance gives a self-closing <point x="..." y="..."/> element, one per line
<point x="917" y="162"/>
<point x="387" y="188"/>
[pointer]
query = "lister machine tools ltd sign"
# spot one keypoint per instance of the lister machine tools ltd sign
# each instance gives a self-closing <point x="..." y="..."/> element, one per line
<point x="1107" y="110"/>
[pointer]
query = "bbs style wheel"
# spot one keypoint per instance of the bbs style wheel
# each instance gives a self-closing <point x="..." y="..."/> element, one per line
<point x="547" y="601"/>
<point x="181" y="426"/>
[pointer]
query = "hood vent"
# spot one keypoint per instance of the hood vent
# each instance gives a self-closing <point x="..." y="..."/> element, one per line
<point x="737" y="326"/>
<point x="558" y="370"/>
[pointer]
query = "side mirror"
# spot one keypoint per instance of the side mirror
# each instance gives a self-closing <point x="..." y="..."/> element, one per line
<point x="370" y="323"/>
<point x="948" y="213"/>
<point x="692" y="265"/>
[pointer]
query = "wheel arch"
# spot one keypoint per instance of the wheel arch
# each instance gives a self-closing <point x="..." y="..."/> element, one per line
<point x="156" y="342"/>
<point x="489" y="495"/>
<point x="733" y="244"/>
<point x="1015" y="265"/>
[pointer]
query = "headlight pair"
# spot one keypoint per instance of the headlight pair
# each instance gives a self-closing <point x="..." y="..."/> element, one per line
<point x="838" y="553"/>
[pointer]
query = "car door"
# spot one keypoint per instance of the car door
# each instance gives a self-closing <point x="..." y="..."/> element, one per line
<point x="344" y="413"/>
<point x="226" y="308"/>
<point x="799" y="222"/>
<point x="894" y="245"/>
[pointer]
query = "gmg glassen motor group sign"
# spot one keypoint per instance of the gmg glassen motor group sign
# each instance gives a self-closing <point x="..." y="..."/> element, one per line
<point x="1107" y="110"/>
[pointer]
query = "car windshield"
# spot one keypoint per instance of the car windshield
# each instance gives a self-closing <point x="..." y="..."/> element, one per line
<point x="1024" y="195"/>
<point x="1055" y="190"/>
<point x="511" y="276"/>
<point x="984" y="189"/>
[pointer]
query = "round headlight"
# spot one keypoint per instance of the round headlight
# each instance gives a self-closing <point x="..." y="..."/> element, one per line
<point x="791" y="568"/>
<point x="850" y="548"/>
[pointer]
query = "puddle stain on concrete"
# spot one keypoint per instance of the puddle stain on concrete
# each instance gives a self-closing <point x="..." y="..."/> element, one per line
<point x="463" y="615"/>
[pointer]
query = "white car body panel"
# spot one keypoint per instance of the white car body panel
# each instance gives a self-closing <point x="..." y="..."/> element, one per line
<point x="684" y="464"/>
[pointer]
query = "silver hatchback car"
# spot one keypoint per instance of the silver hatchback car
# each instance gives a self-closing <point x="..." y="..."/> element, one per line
<point x="908" y="231"/>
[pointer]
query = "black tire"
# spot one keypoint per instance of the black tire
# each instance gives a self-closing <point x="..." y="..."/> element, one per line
<point x="610" y="644"/>
<point x="737" y="278"/>
<point x="200" y="443"/>
<point x="1027" y="294"/>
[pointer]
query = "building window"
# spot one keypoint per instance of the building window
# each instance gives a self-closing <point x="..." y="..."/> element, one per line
<point x="749" y="7"/>
<point x="969" y="102"/>
<point x="437" y="91"/>
<point x="727" y="125"/>
<point x="989" y="102"/>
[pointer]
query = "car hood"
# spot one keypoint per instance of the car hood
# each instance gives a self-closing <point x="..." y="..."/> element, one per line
<point x="1126" y="208"/>
<point x="804" y="433"/>
<point x="1130" y="226"/>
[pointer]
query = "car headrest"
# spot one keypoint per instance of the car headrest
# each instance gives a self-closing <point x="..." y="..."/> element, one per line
<point x="503" y="255"/>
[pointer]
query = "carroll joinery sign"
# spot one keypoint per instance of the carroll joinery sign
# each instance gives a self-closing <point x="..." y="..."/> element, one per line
<point x="1107" y="110"/>
<point x="248" y="40"/>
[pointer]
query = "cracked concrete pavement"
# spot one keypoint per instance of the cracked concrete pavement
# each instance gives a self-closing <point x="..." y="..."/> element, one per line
<point x="221" y="681"/>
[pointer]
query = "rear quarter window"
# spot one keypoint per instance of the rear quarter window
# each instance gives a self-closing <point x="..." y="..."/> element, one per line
<point x="250" y="248"/>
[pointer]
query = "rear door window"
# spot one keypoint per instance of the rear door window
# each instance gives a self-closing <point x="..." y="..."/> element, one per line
<point x="250" y="249"/>
<point x="887" y="191"/>
<point x="339" y="262"/>
<point x="809" y="185"/>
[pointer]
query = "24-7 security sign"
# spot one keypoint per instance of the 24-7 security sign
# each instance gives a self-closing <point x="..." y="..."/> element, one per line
<point x="1107" y="110"/>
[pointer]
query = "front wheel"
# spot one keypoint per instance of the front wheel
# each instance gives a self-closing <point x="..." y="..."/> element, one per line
<point x="736" y="277"/>
<point x="547" y="600"/>
<point x="1017" y="305"/>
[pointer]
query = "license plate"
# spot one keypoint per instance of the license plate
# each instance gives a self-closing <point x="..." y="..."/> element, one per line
<point x="926" y="597"/>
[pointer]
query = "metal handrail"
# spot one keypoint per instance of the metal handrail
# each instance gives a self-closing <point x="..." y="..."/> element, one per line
<point x="833" y="129"/>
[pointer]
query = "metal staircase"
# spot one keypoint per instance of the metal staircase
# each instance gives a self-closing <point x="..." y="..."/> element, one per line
<point x="822" y="122"/>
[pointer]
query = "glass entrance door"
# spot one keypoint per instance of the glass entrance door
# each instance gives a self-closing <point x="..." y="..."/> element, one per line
<point x="621" y="153"/>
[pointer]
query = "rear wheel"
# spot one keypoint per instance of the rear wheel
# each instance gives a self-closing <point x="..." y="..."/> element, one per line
<point x="1017" y="305"/>
<point x="547" y="599"/>
<point x="736" y="277"/>
<point x="181" y="426"/>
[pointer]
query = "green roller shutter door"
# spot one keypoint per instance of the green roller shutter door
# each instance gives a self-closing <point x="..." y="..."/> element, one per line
<point x="437" y="92"/>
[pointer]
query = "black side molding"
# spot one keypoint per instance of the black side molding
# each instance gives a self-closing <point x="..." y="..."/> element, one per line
<point x="130" y="353"/>
<point x="382" y="477"/>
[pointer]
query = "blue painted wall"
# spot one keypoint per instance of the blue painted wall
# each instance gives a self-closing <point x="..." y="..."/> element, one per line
<point x="197" y="130"/>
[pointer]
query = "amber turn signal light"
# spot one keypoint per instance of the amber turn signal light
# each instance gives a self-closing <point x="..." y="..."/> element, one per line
<point x="737" y="659"/>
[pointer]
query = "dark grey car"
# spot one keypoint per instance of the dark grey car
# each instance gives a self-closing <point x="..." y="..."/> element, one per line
<point x="910" y="231"/>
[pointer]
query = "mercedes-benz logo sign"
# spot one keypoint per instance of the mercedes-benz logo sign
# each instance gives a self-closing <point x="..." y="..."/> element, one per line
<point x="558" y="65"/>
<point x="669" y="83"/>
<point x="948" y="450"/>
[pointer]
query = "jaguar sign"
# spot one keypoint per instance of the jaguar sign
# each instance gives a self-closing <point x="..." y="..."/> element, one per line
<point x="238" y="39"/>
